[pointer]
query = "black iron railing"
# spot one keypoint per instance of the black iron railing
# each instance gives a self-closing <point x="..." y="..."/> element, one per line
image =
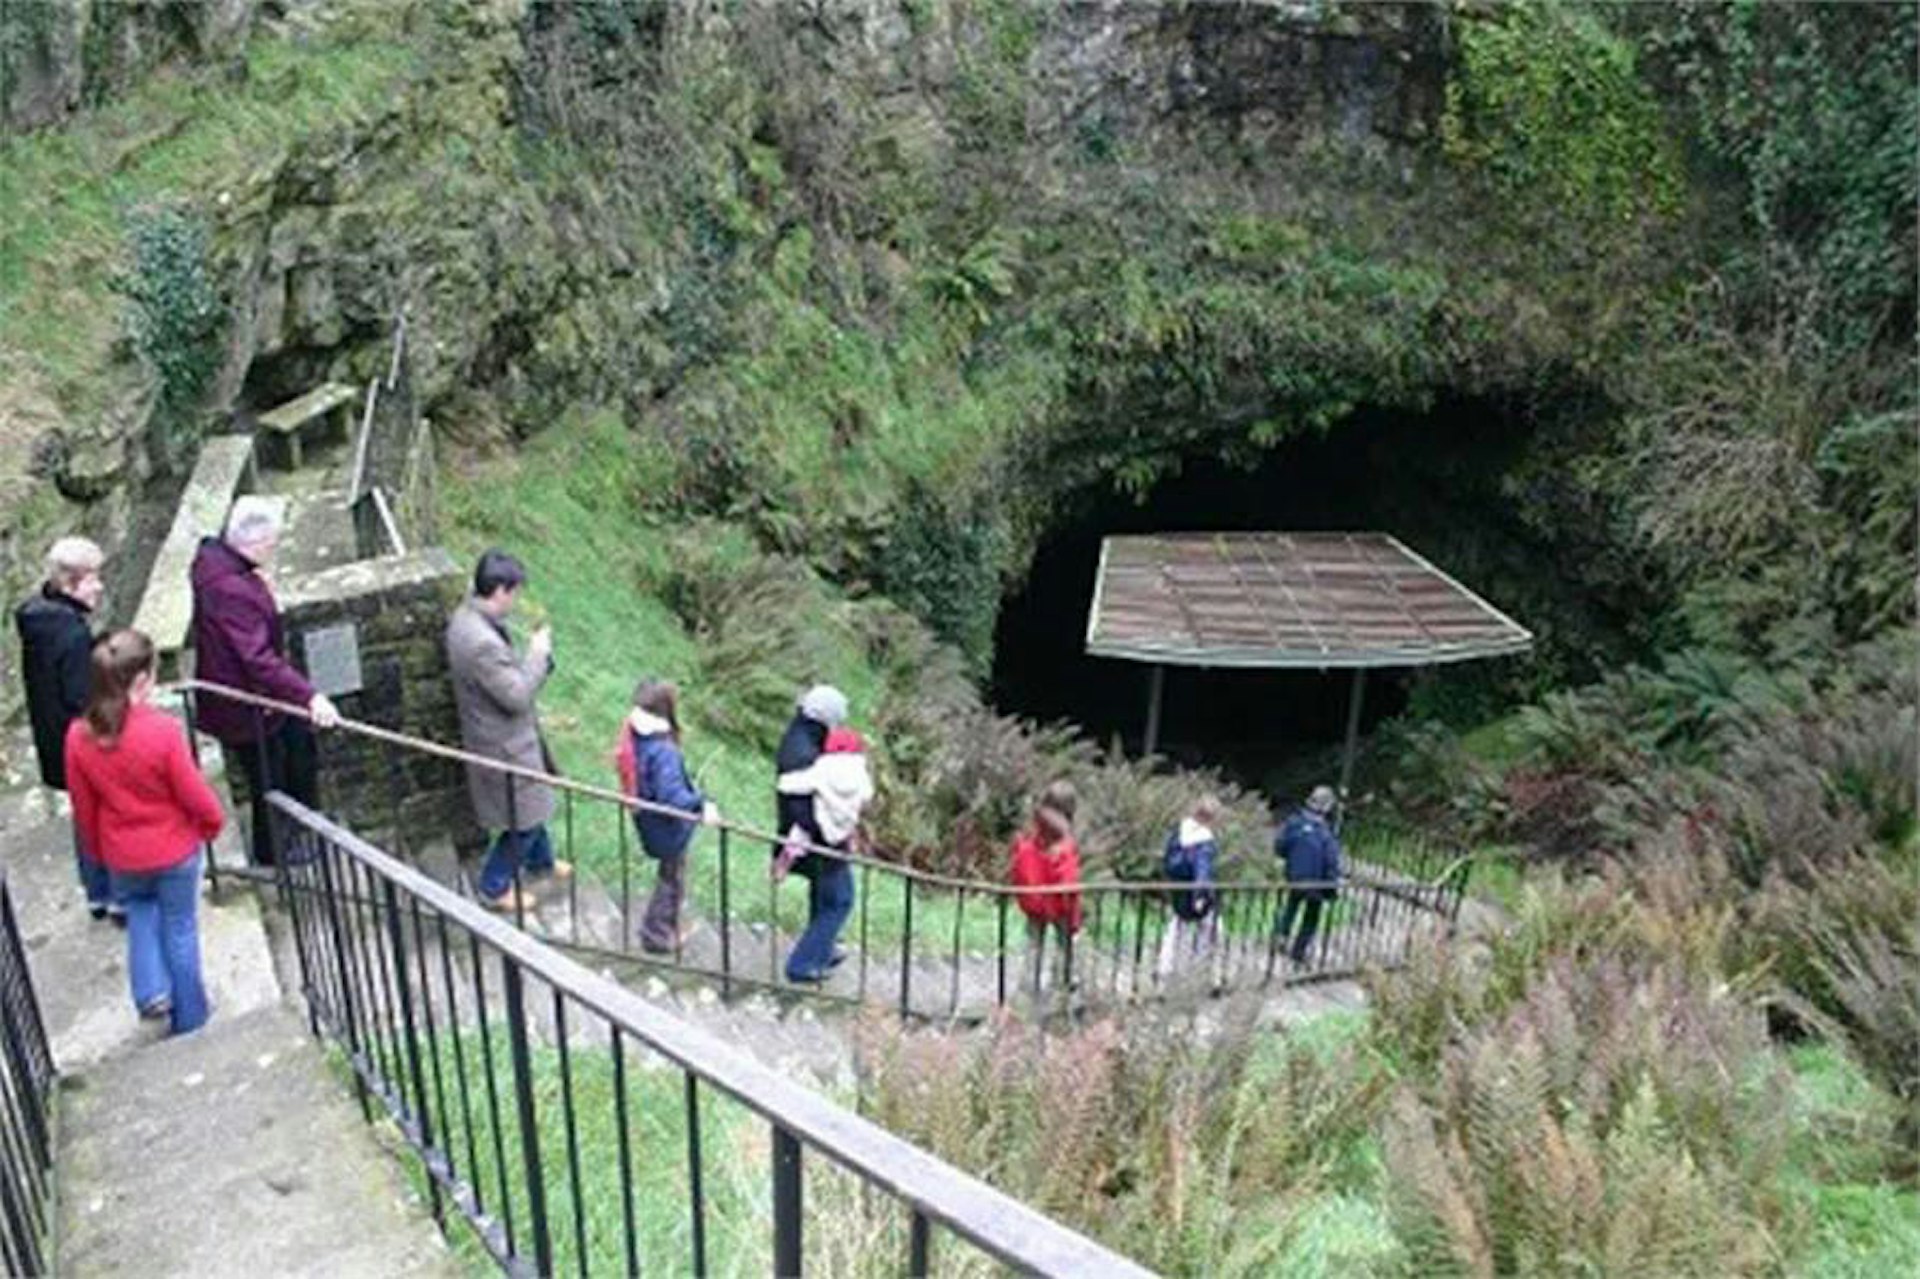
<point x="943" y="947"/>
<point x="26" y="1088"/>
<point x="515" y="1074"/>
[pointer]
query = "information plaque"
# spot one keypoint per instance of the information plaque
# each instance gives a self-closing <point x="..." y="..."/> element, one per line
<point x="333" y="658"/>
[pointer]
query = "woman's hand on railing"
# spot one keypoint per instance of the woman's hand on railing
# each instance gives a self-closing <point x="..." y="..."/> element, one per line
<point x="710" y="814"/>
<point x="323" y="712"/>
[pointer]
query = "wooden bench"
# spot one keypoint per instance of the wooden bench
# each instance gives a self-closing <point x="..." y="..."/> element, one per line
<point x="224" y="469"/>
<point x="323" y="402"/>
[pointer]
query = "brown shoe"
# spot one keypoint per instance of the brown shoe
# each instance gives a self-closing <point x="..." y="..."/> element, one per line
<point x="513" y="900"/>
<point x="561" y="870"/>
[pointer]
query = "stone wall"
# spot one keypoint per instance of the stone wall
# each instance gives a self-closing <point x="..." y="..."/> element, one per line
<point x="398" y="606"/>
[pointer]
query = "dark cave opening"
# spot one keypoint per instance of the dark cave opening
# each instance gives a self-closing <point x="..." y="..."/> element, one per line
<point x="1434" y="479"/>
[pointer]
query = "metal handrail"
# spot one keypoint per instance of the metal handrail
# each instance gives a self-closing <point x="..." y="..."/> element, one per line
<point x="743" y="829"/>
<point x="395" y="1005"/>
<point x="27" y="1076"/>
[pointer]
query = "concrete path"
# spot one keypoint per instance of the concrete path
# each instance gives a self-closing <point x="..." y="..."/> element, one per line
<point x="233" y="1151"/>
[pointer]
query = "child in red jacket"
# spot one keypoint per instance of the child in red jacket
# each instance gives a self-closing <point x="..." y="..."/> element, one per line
<point x="1046" y="856"/>
<point x="142" y="806"/>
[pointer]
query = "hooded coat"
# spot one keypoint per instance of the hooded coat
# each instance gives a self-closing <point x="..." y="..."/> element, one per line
<point x="238" y="641"/>
<point x="494" y="689"/>
<point x="1312" y="853"/>
<point x="653" y="768"/>
<point x="56" y="648"/>
<point x="1193" y="847"/>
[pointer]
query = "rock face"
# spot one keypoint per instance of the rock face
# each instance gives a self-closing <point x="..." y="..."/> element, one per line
<point x="525" y="298"/>
<point x="57" y="56"/>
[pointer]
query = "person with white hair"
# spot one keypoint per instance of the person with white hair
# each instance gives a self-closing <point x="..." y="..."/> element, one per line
<point x="56" y="641"/>
<point x="238" y="641"/>
<point x="1311" y="851"/>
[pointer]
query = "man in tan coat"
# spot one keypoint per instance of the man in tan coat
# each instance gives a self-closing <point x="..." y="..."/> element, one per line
<point x="494" y="688"/>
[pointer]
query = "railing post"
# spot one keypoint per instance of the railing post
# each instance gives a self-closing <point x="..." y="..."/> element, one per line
<point x="906" y="949"/>
<point x="696" y="1196"/>
<point x="423" y="1109"/>
<point x="261" y="758"/>
<point x="919" y="1245"/>
<point x="511" y="837"/>
<point x="726" y="921"/>
<point x="523" y="1101"/>
<point x="625" y="816"/>
<point x="786" y="1203"/>
<point x="1000" y="965"/>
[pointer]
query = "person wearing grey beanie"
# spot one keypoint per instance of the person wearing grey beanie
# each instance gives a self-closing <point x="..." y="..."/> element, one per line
<point x="829" y="879"/>
<point x="824" y="704"/>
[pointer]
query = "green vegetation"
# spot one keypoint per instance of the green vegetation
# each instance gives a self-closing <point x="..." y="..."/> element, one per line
<point x="177" y="321"/>
<point x="805" y="340"/>
<point x="70" y="198"/>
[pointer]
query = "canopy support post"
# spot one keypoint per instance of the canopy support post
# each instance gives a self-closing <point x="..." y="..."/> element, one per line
<point x="1353" y="739"/>
<point x="1155" y="686"/>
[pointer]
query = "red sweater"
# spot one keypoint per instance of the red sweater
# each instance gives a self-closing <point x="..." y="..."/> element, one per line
<point x="1036" y="865"/>
<point x="140" y="804"/>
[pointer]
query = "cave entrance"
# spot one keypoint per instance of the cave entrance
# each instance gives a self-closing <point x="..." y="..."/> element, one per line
<point x="1432" y="480"/>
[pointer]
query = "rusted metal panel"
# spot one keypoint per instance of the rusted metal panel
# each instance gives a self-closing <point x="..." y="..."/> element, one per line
<point x="1313" y="600"/>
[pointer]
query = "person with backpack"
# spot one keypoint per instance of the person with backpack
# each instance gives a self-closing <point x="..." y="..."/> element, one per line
<point x="1045" y="855"/>
<point x="142" y="806"/>
<point x="1189" y="858"/>
<point x="653" y="769"/>
<point x="1311" y="851"/>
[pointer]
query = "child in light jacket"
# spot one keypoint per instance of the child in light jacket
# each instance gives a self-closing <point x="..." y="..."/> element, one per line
<point x="841" y="785"/>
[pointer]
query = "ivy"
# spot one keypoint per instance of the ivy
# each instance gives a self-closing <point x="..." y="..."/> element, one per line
<point x="1549" y="104"/>
<point x="176" y="320"/>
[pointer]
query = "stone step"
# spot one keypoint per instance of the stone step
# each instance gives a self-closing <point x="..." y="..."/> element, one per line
<point x="232" y="1151"/>
<point x="80" y="964"/>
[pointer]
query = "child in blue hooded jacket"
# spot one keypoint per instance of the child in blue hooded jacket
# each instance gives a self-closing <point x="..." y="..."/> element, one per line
<point x="652" y="768"/>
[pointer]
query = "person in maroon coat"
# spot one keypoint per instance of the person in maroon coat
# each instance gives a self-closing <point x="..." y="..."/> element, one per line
<point x="238" y="641"/>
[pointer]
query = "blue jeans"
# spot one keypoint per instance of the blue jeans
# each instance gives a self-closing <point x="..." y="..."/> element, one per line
<point x="829" y="902"/>
<point x="95" y="880"/>
<point x="163" y="940"/>
<point x="513" y="851"/>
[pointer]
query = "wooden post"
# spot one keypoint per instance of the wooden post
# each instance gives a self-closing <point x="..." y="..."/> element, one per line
<point x="1353" y="738"/>
<point x="1154" y="689"/>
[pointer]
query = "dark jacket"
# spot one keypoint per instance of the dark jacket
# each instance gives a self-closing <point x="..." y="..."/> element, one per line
<point x="238" y="641"/>
<point x="1311" y="851"/>
<point x="1189" y="855"/>
<point x="660" y="777"/>
<point x="800" y="746"/>
<point x="56" y="648"/>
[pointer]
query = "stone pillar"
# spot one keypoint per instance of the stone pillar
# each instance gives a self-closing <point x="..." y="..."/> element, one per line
<point x="391" y="613"/>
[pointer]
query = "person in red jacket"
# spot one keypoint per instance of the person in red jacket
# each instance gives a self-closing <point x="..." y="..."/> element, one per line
<point x="142" y="806"/>
<point x="1045" y="856"/>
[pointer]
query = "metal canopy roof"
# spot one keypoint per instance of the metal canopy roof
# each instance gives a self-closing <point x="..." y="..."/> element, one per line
<point x="1300" y="600"/>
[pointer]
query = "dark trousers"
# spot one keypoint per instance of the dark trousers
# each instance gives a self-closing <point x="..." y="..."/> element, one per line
<point x="660" y="926"/>
<point x="291" y="761"/>
<point x="1309" y="922"/>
